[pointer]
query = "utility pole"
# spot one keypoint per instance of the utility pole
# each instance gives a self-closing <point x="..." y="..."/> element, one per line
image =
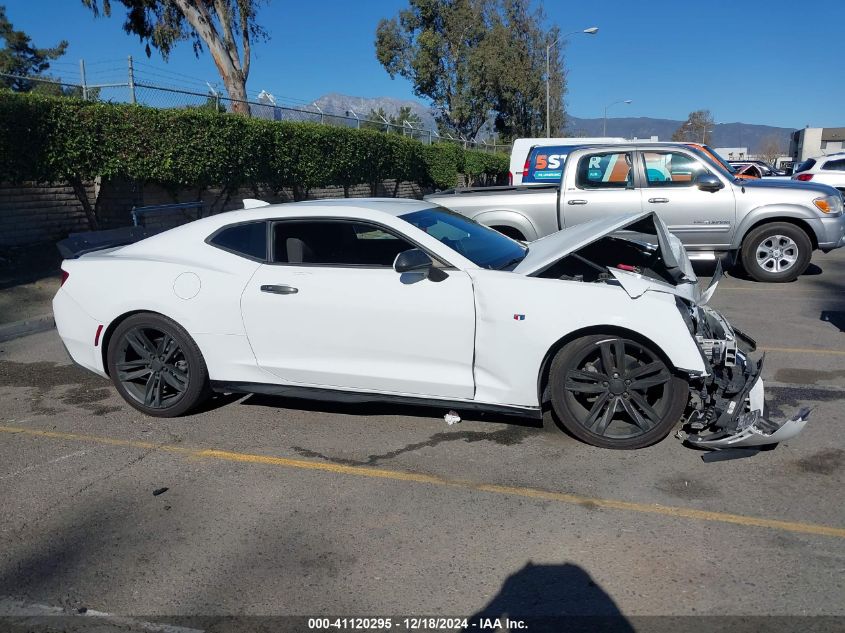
<point x="590" y="31"/>
<point x="131" y="81"/>
<point x="604" y="127"/>
<point x="82" y="78"/>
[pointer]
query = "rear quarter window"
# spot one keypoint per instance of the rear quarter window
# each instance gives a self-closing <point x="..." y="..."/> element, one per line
<point x="247" y="240"/>
<point x="834" y="165"/>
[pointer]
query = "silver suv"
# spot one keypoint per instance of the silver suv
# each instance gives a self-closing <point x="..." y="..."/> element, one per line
<point x="773" y="225"/>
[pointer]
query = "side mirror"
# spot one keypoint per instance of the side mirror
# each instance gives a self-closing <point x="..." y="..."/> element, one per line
<point x="412" y="261"/>
<point x="708" y="182"/>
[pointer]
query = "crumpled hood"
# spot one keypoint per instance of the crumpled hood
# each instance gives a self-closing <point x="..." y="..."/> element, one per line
<point x="548" y="250"/>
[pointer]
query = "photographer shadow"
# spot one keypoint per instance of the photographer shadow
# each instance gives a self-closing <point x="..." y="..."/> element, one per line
<point x="551" y="598"/>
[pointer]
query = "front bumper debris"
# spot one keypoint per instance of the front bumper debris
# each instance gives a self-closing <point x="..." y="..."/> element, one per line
<point x="728" y="405"/>
<point x="752" y="429"/>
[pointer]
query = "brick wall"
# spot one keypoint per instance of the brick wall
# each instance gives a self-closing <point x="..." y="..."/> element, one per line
<point x="116" y="198"/>
<point x="32" y="213"/>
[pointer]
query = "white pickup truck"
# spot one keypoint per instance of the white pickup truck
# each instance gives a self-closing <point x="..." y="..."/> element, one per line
<point x="772" y="225"/>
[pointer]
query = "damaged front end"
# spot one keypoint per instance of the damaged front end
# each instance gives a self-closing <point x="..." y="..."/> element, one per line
<point x="726" y="408"/>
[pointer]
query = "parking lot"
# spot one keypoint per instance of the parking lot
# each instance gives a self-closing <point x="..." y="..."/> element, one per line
<point x="277" y="506"/>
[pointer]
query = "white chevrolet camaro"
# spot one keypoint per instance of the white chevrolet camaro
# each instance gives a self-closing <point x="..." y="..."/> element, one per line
<point x="399" y="300"/>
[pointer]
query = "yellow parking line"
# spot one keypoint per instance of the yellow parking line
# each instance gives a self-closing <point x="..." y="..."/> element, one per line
<point x="803" y="350"/>
<point x="398" y="475"/>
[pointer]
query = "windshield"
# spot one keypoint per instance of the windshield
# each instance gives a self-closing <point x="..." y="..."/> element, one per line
<point x="482" y="246"/>
<point x="717" y="163"/>
<point x="715" y="157"/>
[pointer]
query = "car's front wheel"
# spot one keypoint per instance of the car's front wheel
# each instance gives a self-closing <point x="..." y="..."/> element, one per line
<point x="156" y="366"/>
<point x="776" y="252"/>
<point x="614" y="392"/>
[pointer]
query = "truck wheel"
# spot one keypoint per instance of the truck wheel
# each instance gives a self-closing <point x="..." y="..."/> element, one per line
<point x="613" y="392"/>
<point x="776" y="252"/>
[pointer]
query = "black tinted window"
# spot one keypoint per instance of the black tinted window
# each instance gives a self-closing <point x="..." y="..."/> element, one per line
<point x="249" y="240"/>
<point x="807" y="164"/>
<point x="330" y="242"/>
<point x="835" y="165"/>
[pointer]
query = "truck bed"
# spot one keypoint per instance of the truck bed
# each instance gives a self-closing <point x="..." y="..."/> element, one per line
<point x="497" y="190"/>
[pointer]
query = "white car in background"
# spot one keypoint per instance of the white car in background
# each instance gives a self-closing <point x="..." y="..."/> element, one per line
<point x="828" y="170"/>
<point x="402" y="300"/>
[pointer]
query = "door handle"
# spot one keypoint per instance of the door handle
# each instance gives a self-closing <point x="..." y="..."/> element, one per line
<point x="576" y="202"/>
<point x="280" y="290"/>
<point x="658" y="200"/>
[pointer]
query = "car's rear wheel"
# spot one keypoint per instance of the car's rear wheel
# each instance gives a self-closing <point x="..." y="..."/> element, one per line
<point x="156" y="366"/>
<point x="613" y="392"/>
<point x="776" y="252"/>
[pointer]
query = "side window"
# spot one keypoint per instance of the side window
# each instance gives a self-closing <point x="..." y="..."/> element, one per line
<point x="835" y="165"/>
<point x="333" y="242"/>
<point x="611" y="170"/>
<point x="671" y="169"/>
<point x="248" y="240"/>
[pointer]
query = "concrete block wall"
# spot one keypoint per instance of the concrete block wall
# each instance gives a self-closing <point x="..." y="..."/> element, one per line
<point x="35" y="212"/>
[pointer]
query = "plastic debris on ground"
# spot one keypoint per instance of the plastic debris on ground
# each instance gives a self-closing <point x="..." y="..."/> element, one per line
<point x="452" y="418"/>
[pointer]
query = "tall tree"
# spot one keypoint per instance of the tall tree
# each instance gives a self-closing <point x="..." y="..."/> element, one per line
<point x="19" y="57"/>
<point x="515" y="54"/>
<point x="436" y="45"/>
<point x="474" y="59"/>
<point x="226" y="27"/>
<point x="698" y="128"/>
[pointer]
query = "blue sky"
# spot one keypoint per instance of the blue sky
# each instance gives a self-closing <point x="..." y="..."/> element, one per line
<point x="775" y="62"/>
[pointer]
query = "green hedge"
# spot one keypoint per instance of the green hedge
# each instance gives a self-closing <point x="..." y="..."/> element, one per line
<point x="63" y="139"/>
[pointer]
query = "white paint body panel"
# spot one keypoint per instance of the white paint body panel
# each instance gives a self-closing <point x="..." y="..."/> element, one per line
<point x="364" y="329"/>
<point x="355" y="329"/>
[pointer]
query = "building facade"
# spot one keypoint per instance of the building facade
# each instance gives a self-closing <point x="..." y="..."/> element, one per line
<point x="816" y="141"/>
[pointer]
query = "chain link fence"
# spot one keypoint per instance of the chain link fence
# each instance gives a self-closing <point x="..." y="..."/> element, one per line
<point x="158" y="88"/>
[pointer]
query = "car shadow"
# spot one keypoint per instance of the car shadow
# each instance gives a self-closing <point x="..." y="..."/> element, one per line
<point x="551" y="598"/>
<point x="834" y="317"/>
<point x="365" y="409"/>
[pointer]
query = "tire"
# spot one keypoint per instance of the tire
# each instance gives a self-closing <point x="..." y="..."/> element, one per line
<point x="776" y="252"/>
<point x="156" y="366"/>
<point x="614" y="413"/>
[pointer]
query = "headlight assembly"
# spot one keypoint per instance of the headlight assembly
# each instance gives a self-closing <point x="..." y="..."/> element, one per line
<point x="831" y="205"/>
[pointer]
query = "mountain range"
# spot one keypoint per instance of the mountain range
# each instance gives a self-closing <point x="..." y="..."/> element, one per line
<point x="747" y="135"/>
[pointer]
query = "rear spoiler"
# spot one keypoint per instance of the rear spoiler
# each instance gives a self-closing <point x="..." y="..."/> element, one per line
<point x="78" y="244"/>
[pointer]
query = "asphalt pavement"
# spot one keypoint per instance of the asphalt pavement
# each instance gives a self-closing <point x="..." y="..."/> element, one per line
<point x="262" y="506"/>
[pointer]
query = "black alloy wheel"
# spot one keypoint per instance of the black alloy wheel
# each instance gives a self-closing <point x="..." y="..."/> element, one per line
<point x="156" y="366"/>
<point x="614" y="392"/>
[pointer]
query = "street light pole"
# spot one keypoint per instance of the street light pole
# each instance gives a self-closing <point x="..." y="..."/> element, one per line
<point x="590" y="31"/>
<point x="604" y="127"/>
